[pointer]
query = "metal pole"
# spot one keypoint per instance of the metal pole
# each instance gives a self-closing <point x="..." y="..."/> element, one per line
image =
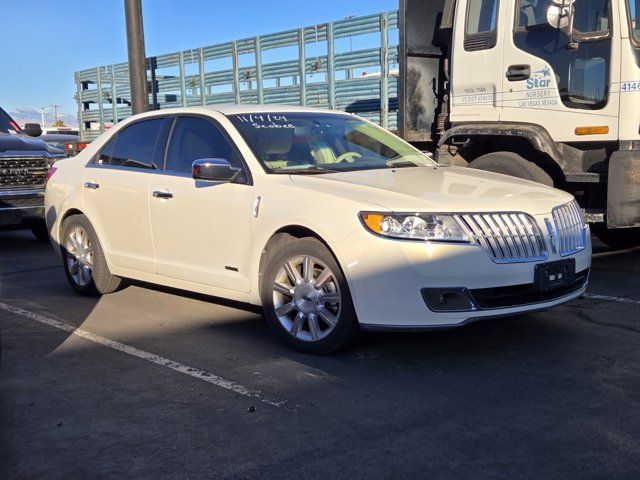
<point x="137" y="57"/>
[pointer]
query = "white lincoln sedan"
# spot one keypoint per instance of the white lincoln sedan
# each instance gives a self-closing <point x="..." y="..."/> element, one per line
<point x="329" y="222"/>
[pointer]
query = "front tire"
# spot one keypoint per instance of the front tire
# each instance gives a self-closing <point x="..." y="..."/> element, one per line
<point x="619" y="238"/>
<point x="509" y="163"/>
<point x="305" y="296"/>
<point x="84" y="261"/>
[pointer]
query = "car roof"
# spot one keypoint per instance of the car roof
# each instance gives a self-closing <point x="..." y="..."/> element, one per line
<point x="233" y="109"/>
<point x="58" y="136"/>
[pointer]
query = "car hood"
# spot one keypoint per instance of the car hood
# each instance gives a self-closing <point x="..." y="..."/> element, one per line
<point x="23" y="144"/>
<point x="437" y="189"/>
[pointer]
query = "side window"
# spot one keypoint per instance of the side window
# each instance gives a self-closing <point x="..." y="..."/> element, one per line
<point x="196" y="138"/>
<point x="591" y="16"/>
<point x="135" y="145"/>
<point x="105" y="154"/>
<point x="480" y="27"/>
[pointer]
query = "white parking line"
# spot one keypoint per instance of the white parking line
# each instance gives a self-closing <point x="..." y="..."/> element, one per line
<point x="150" y="357"/>
<point x="609" y="298"/>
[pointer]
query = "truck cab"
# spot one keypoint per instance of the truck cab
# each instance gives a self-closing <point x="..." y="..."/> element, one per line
<point x="546" y="90"/>
<point x="24" y="165"/>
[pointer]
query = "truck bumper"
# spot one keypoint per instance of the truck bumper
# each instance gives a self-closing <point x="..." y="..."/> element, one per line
<point x="623" y="189"/>
<point x="21" y="208"/>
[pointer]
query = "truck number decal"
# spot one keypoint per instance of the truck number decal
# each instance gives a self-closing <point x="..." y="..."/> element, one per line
<point x="630" y="86"/>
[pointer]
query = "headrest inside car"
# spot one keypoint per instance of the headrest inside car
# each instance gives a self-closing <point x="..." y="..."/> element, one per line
<point x="276" y="141"/>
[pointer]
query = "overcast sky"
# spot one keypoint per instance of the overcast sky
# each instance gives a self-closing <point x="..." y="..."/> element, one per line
<point x="46" y="41"/>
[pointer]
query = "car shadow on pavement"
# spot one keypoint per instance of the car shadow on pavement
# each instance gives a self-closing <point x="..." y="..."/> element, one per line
<point x="44" y="289"/>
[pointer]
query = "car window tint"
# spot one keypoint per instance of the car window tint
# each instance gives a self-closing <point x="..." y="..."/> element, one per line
<point x="135" y="145"/>
<point x="105" y="153"/>
<point x="197" y="138"/>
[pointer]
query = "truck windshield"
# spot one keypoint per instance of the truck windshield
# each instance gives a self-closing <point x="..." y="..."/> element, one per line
<point x="323" y="142"/>
<point x="7" y="125"/>
<point x="634" y="17"/>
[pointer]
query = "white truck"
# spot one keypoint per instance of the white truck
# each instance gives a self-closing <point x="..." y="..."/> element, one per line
<point x="547" y="90"/>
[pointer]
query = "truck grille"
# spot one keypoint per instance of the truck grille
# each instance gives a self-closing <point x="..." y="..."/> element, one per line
<point x="572" y="234"/>
<point x="20" y="172"/>
<point x="507" y="237"/>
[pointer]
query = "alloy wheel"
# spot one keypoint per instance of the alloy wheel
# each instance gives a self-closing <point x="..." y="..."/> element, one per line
<point x="79" y="255"/>
<point x="306" y="298"/>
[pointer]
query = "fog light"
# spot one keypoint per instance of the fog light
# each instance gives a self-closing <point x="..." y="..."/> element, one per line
<point x="448" y="299"/>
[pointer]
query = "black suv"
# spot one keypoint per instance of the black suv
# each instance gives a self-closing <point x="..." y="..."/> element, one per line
<point x="24" y="166"/>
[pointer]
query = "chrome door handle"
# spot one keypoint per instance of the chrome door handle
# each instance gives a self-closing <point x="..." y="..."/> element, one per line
<point x="163" y="195"/>
<point x="91" y="185"/>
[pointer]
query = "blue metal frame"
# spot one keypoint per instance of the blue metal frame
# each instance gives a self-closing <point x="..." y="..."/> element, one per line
<point x="326" y="81"/>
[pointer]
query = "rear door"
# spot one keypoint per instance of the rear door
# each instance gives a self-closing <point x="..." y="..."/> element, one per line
<point x="561" y="88"/>
<point x="476" y="81"/>
<point x="116" y="194"/>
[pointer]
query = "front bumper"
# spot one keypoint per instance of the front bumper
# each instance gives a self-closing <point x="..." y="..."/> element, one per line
<point x="21" y="208"/>
<point x="387" y="279"/>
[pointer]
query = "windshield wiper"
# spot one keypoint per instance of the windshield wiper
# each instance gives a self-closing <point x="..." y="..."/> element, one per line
<point x="309" y="170"/>
<point x="399" y="161"/>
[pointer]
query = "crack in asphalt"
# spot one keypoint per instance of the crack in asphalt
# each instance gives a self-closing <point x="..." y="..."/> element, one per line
<point x="585" y="317"/>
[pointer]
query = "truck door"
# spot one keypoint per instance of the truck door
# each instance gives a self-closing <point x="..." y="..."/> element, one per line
<point x="556" y="82"/>
<point x="476" y="80"/>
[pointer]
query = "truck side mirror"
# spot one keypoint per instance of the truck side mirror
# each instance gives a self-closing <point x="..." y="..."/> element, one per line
<point x="557" y="17"/>
<point x="33" y="129"/>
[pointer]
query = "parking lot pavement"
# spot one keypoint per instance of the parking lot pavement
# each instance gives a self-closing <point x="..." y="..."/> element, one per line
<point x="154" y="383"/>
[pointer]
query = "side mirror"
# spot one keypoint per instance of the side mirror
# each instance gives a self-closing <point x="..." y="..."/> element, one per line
<point x="214" y="169"/>
<point x="33" y="129"/>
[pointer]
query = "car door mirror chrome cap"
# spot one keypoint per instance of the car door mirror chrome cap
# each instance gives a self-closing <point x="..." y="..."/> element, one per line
<point x="214" y="169"/>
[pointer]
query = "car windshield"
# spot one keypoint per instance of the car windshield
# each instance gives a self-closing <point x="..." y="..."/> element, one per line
<point x="7" y="125"/>
<point x="323" y="142"/>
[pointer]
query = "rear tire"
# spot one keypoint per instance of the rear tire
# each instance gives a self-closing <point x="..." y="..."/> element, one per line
<point x="84" y="261"/>
<point x="618" y="238"/>
<point x="509" y="163"/>
<point x="305" y="296"/>
<point x="41" y="233"/>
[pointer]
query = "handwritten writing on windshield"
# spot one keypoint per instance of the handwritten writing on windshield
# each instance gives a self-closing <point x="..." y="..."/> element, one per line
<point x="266" y="120"/>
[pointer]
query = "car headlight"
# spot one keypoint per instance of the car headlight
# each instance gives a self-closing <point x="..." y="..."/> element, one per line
<point x="417" y="226"/>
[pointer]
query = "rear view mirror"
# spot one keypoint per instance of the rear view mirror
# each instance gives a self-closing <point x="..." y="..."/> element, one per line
<point x="214" y="169"/>
<point x="33" y="129"/>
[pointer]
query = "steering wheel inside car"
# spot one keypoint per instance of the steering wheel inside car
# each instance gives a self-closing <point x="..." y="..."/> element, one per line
<point x="348" y="157"/>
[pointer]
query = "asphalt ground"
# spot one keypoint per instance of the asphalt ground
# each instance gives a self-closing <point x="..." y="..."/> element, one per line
<point x="155" y="383"/>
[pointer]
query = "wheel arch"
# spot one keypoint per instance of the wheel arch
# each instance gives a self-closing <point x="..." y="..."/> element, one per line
<point x="530" y="141"/>
<point x="68" y="213"/>
<point x="296" y="231"/>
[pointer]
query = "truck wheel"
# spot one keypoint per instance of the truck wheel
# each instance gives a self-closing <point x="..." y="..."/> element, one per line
<point x="509" y="163"/>
<point x="305" y="296"/>
<point x="618" y="238"/>
<point x="84" y="262"/>
<point x="41" y="233"/>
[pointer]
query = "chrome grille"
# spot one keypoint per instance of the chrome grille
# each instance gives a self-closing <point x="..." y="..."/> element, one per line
<point x="570" y="228"/>
<point x="19" y="172"/>
<point x="507" y="237"/>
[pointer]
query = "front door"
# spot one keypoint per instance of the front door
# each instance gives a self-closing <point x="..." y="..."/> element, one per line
<point x="116" y="194"/>
<point x="201" y="229"/>
<point x="565" y="85"/>
<point x="476" y="81"/>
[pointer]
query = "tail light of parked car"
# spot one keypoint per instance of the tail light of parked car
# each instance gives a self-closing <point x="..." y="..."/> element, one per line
<point x="74" y="148"/>
<point x="52" y="170"/>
